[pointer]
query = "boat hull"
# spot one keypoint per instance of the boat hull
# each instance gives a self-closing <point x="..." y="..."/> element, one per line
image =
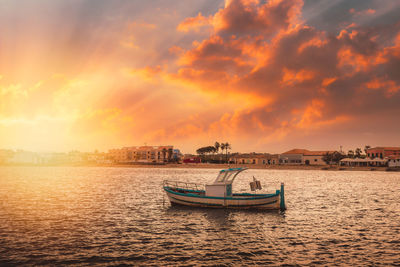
<point x="238" y="201"/>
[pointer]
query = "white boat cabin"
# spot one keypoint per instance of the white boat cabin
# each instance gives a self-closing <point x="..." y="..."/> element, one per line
<point x="222" y="186"/>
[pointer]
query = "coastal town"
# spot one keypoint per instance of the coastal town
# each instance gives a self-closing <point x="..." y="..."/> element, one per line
<point x="380" y="156"/>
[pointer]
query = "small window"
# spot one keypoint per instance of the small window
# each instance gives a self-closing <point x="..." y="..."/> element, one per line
<point x="221" y="176"/>
<point x="229" y="177"/>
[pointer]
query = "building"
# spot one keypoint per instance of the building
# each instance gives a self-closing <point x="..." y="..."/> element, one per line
<point x="6" y="155"/>
<point x="363" y="162"/>
<point x="255" y="158"/>
<point x="394" y="161"/>
<point x="315" y="157"/>
<point x="294" y="156"/>
<point x="24" y="157"/>
<point x="144" y="154"/>
<point x="303" y="156"/>
<point x="189" y="158"/>
<point x="383" y="152"/>
<point x="176" y="155"/>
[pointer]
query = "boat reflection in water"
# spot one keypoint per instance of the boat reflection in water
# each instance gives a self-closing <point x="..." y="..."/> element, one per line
<point x="219" y="194"/>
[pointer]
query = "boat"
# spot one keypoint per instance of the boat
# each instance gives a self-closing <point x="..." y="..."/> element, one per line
<point x="219" y="194"/>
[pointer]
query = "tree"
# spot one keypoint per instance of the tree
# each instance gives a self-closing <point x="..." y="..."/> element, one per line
<point x="222" y="147"/>
<point x="203" y="151"/>
<point x="327" y="158"/>
<point x="366" y="149"/>
<point x="333" y="157"/>
<point x="211" y="149"/>
<point x="350" y="154"/>
<point x="358" y="152"/>
<point x="226" y="147"/>
<point x="217" y="146"/>
<point x="200" y="151"/>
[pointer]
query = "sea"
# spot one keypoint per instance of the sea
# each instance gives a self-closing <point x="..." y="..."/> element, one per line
<point x="106" y="216"/>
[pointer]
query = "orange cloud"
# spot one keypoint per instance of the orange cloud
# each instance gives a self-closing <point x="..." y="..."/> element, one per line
<point x="243" y="17"/>
<point x="194" y="23"/>
<point x="253" y="73"/>
<point x="368" y="11"/>
<point x="390" y="87"/>
<point x="292" y="77"/>
<point x="306" y="72"/>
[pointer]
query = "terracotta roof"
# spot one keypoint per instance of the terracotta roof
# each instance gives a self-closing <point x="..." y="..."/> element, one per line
<point x="296" y="151"/>
<point x="318" y="153"/>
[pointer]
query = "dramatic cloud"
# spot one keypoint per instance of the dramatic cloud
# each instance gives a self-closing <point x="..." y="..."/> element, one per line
<point x="263" y="75"/>
<point x="316" y="79"/>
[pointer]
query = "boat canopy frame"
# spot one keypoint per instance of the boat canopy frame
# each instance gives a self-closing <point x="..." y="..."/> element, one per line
<point x="227" y="176"/>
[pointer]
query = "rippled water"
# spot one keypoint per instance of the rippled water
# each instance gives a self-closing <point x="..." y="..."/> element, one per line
<point x="112" y="216"/>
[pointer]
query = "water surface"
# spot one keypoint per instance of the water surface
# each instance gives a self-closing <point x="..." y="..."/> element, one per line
<point x="112" y="216"/>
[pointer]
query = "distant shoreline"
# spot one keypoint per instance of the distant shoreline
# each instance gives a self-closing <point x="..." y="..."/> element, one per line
<point x="218" y="166"/>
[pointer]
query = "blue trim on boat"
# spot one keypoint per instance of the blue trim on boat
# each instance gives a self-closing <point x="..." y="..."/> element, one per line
<point x="252" y="196"/>
<point x="220" y="205"/>
<point x="232" y="169"/>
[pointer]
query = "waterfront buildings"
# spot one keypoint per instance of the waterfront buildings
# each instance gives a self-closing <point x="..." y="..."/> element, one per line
<point x="255" y="158"/>
<point x="382" y="152"/>
<point x="303" y="156"/>
<point x="394" y="161"/>
<point x="144" y="154"/>
<point x="377" y="156"/>
<point x="363" y="162"/>
<point x="6" y="155"/>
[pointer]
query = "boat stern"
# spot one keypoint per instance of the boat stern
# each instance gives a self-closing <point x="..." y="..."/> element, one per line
<point x="282" y="205"/>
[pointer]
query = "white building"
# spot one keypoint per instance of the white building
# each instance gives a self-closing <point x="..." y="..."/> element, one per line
<point x="24" y="157"/>
<point x="394" y="161"/>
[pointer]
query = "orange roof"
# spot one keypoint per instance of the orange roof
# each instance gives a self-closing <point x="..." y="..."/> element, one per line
<point x="318" y="153"/>
<point x="296" y="151"/>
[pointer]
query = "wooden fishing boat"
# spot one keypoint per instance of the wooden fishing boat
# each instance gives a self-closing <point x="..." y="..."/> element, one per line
<point x="219" y="194"/>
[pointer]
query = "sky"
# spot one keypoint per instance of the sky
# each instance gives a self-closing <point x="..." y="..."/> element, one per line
<point x="265" y="76"/>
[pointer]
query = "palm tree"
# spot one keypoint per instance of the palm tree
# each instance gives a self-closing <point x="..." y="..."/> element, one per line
<point x="217" y="146"/>
<point x="226" y="147"/>
<point x="222" y="146"/>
